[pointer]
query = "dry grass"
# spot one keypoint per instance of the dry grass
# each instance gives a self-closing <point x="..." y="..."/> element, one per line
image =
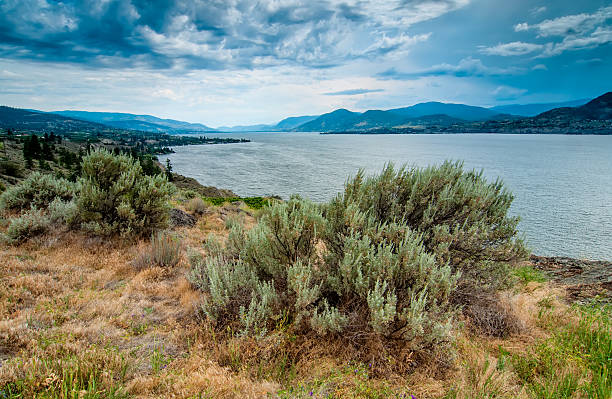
<point x="75" y="309"/>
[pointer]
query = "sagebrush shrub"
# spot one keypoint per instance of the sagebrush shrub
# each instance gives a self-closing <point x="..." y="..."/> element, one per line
<point x="11" y="168"/>
<point x="30" y="224"/>
<point x="462" y="219"/>
<point x="116" y="197"/>
<point x="197" y="206"/>
<point x="384" y="284"/>
<point x="37" y="190"/>
<point x="383" y="260"/>
<point x="63" y="212"/>
<point x="165" y="251"/>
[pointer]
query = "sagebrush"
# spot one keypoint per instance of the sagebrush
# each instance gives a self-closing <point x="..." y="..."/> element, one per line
<point x="116" y="197"/>
<point x="382" y="260"/>
<point x="36" y="191"/>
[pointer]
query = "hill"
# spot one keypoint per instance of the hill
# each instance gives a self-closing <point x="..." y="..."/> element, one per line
<point x="337" y="120"/>
<point x="458" y="111"/>
<point x="294" y="121"/>
<point x="598" y="109"/>
<point x="29" y="120"/>
<point x="423" y="114"/>
<point x="145" y="123"/>
<point x="535" y="109"/>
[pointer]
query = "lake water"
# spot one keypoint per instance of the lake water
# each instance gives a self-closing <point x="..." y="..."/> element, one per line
<point x="562" y="184"/>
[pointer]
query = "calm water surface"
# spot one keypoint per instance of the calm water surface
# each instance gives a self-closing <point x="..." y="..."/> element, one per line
<point x="562" y="184"/>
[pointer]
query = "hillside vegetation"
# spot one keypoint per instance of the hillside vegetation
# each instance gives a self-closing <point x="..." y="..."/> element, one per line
<point x="410" y="283"/>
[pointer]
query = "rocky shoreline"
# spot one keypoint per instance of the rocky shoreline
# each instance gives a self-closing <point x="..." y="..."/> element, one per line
<point x="584" y="280"/>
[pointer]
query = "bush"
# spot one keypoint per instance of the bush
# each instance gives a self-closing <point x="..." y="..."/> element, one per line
<point x="462" y="219"/>
<point x="382" y="285"/>
<point x="11" y="168"/>
<point x="31" y="224"/>
<point x="63" y="212"/>
<point x="196" y="206"/>
<point x="165" y="251"/>
<point x="117" y="198"/>
<point x="382" y="261"/>
<point x="38" y="190"/>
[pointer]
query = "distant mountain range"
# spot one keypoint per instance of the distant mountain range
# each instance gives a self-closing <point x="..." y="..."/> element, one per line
<point x="593" y="117"/>
<point x="285" y="125"/>
<point x="145" y="123"/>
<point x="30" y="120"/>
<point x="535" y="109"/>
<point x="436" y="117"/>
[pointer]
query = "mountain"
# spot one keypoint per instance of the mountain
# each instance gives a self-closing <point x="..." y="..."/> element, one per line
<point x="294" y="121"/>
<point x="535" y="109"/>
<point x="146" y="123"/>
<point x="598" y="109"/>
<point x="459" y="111"/>
<point x="431" y="113"/>
<point x="31" y="120"/>
<point x="340" y="119"/>
<point x="285" y="125"/>
<point x="246" y="128"/>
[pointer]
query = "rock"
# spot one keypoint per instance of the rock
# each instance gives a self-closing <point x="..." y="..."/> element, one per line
<point x="179" y="218"/>
<point x="583" y="279"/>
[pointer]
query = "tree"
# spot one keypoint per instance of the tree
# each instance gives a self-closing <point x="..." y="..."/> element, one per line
<point x="168" y="170"/>
<point x="47" y="152"/>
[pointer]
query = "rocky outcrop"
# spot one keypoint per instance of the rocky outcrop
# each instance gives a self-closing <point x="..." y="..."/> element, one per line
<point x="179" y="218"/>
<point x="583" y="279"/>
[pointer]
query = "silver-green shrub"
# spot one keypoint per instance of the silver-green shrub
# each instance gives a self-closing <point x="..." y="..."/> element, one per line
<point x="463" y="219"/>
<point x="63" y="213"/>
<point x="385" y="259"/>
<point x="383" y="283"/>
<point x="116" y="197"/>
<point x="37" y="190"/>
<point x="30" y="224"/>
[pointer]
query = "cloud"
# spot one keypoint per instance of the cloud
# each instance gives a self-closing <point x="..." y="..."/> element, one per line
<point x="466" y="67"/>
<point x="599" y="37"/>
<point x="569" y="25"/>
<point x="537" y="10"/>
<point x="505" y="93"/>
<point x="590" y="61"/>
<point x="524" y="26"/>
<point x="353" y="92"/>
<point x="238" y="34"/>
<point x="511" y="49"/>
<point x="539" y="67"/>
<point x="578" y="32"/>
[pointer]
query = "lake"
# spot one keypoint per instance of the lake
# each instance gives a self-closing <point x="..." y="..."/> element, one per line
<point x="562" y="184"/>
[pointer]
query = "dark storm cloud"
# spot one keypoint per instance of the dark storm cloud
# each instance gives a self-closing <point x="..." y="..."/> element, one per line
<point x="209" y="34"/>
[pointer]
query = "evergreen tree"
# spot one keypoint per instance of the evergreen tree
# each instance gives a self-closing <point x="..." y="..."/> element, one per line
<point x="168" y="170"/>
<point x="47" y="152"/>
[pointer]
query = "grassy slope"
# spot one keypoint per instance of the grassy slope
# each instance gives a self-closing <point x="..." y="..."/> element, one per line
<point x="78" y="320"/>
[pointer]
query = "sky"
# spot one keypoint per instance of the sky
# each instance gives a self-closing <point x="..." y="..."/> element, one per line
<point x="240" y="62"/>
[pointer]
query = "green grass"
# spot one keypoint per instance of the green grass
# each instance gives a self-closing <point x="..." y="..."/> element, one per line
<point x="527" y="274"/>
<point x="577" y="358"/>
<point x="73" y="384"/>
<point x="354" y="378"/>
<point x="252" y="202"/>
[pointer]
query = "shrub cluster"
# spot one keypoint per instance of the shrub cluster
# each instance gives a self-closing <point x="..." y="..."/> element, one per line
<point x="116" y="197"/>
<point x="382" y="260"/>
<point x="113" y="196"/>
<point x="37" y="191"/>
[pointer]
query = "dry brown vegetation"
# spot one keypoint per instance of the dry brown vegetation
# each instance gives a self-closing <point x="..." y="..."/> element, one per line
<point x="73" y="307"/>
